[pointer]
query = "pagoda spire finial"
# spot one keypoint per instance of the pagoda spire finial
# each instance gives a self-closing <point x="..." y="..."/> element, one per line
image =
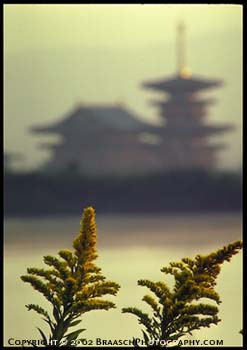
<point x="181" y="51"/>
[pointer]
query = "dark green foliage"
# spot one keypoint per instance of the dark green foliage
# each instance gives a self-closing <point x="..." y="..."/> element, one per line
<point x="73" y="285"/>
<point x="181" y="310"/>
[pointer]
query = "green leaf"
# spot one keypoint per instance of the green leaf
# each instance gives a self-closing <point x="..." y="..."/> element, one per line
<point x="49" y="323"/>
<point x="42" y="335"/>
<point x="146" y="338"/>
<point x="75" y="323"/>
<point x="176" y="336"/>
<point x="74" y="335"/>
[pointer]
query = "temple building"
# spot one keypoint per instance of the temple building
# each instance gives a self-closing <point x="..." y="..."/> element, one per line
<point x="102" y="140"/>
<point x="186" y="134"/>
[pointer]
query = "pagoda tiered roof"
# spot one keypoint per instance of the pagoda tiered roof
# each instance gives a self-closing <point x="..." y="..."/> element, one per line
<point x="193" y="130"/>
<point x="183" y="102"/>
<point x="178" y="84"/>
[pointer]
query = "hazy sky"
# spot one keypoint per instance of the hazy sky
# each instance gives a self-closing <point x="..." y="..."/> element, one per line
<point x="59" y="55"/>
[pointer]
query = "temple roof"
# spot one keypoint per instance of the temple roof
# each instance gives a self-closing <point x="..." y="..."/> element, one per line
<point x="179" y="84"/>
<point x="87" y="120"/>
<point x="94" y="118"/>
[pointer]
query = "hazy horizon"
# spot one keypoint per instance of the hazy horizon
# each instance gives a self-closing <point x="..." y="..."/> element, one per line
<point x="59" y="55"/>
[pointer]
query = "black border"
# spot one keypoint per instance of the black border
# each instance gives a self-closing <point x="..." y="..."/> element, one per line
<point x="243" y="171"/>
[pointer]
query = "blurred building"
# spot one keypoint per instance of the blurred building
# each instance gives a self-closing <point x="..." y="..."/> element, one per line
<point x="186" y="134"/>
<point x="112" y="140"/>
<point x="101" y="140"/>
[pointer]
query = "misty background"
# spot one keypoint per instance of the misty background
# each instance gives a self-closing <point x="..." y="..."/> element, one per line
<point x="57" y="56"/>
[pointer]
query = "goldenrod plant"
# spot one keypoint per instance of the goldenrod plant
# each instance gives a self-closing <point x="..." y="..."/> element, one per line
<point x="180" y="310"/>
<point x="73" y="285"/>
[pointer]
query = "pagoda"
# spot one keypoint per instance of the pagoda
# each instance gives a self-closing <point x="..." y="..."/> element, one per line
<point x="186" y="134"/>
<point x="103" y="140"/>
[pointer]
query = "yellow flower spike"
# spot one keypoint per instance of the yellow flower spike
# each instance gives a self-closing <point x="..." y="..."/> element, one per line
<point x="175" y="313"/>
<point x="73" y="283"/>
